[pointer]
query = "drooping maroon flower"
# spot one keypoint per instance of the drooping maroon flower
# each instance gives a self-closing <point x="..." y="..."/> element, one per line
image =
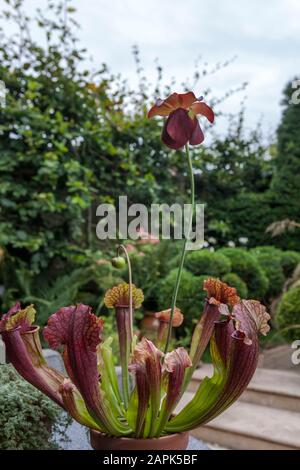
<point x="182" y="125"/>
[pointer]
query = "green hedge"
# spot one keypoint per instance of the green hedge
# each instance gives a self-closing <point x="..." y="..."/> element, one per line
<point x="246" y="266"/>
<point x="190" y="295"/>
<point x="203" y="261"/>
<point x="27" y="417"/>
<point x="269" y="259"/>
<point x="289" y="260"/>
<point x="288" y="314"/>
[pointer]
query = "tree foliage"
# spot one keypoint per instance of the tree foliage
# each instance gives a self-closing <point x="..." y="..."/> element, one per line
<point x="284" y="190"/>
<point x="67" y="142"/>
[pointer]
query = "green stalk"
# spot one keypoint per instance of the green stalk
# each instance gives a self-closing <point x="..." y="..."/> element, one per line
<point x="122" y="247"/>
<point x="125" y="360"/>
<point x="183" y="252"/>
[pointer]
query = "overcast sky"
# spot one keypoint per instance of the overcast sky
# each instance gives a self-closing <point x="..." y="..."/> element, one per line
<point x="263" y="34"/>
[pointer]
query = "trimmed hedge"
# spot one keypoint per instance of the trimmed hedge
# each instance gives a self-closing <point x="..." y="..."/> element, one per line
<point x="288" y="314"/>
<point x="203" y="261"/>
<point x="269" y="259"/>
<point x="289" y="260"/>
<point x="190" y="295"/>
<point x="234" y="280"/>
<point x="248" y="269"/>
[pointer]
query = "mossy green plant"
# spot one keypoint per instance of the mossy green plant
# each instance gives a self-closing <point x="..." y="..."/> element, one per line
<point x="28" y="419"/>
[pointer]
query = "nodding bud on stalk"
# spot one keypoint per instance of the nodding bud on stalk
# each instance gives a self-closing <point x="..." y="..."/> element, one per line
<point x="118" y="262"/>
<point x="119" y="298"/>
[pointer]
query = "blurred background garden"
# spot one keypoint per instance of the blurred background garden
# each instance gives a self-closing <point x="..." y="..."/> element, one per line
<point x="74" y="134"/>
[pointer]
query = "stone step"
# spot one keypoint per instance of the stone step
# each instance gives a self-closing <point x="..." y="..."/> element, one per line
<point x="279" y="357"/>
<point x="268" y="387"/>
<point x="250" y="426"/>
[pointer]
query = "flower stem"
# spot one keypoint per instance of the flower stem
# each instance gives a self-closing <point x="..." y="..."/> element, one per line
<point x="122" y="247"/>
<point x="129" y="334"/>
<point x="183" y="252"/>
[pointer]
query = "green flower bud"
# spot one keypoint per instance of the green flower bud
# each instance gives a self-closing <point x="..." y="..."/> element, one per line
<point x="118" y="262"/>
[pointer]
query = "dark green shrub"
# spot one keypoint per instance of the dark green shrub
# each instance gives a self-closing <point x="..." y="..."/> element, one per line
<point x="284" y="188"/>
<point x="257" y="208"/>
<point x="150" y="263"/>
<point x="190" y="295"/>
<point x="289" y="260"/>
<point x="234" y="280"/>
<point x="248" y="269"/>
<point x="203" y="261"/>
<point x="28" y="418"/>
<point x="269" y="259"/>
<point x="267" y="249"/>
<point x="288" y="314"/>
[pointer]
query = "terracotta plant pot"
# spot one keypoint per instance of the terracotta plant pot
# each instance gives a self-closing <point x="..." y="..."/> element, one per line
<point x="149" y="326"/>
<point x="100" y="441"/>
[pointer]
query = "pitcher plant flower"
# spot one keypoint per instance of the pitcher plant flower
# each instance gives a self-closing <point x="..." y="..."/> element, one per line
<point x="154" y="378"/>
<point x="182" y="126"/>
